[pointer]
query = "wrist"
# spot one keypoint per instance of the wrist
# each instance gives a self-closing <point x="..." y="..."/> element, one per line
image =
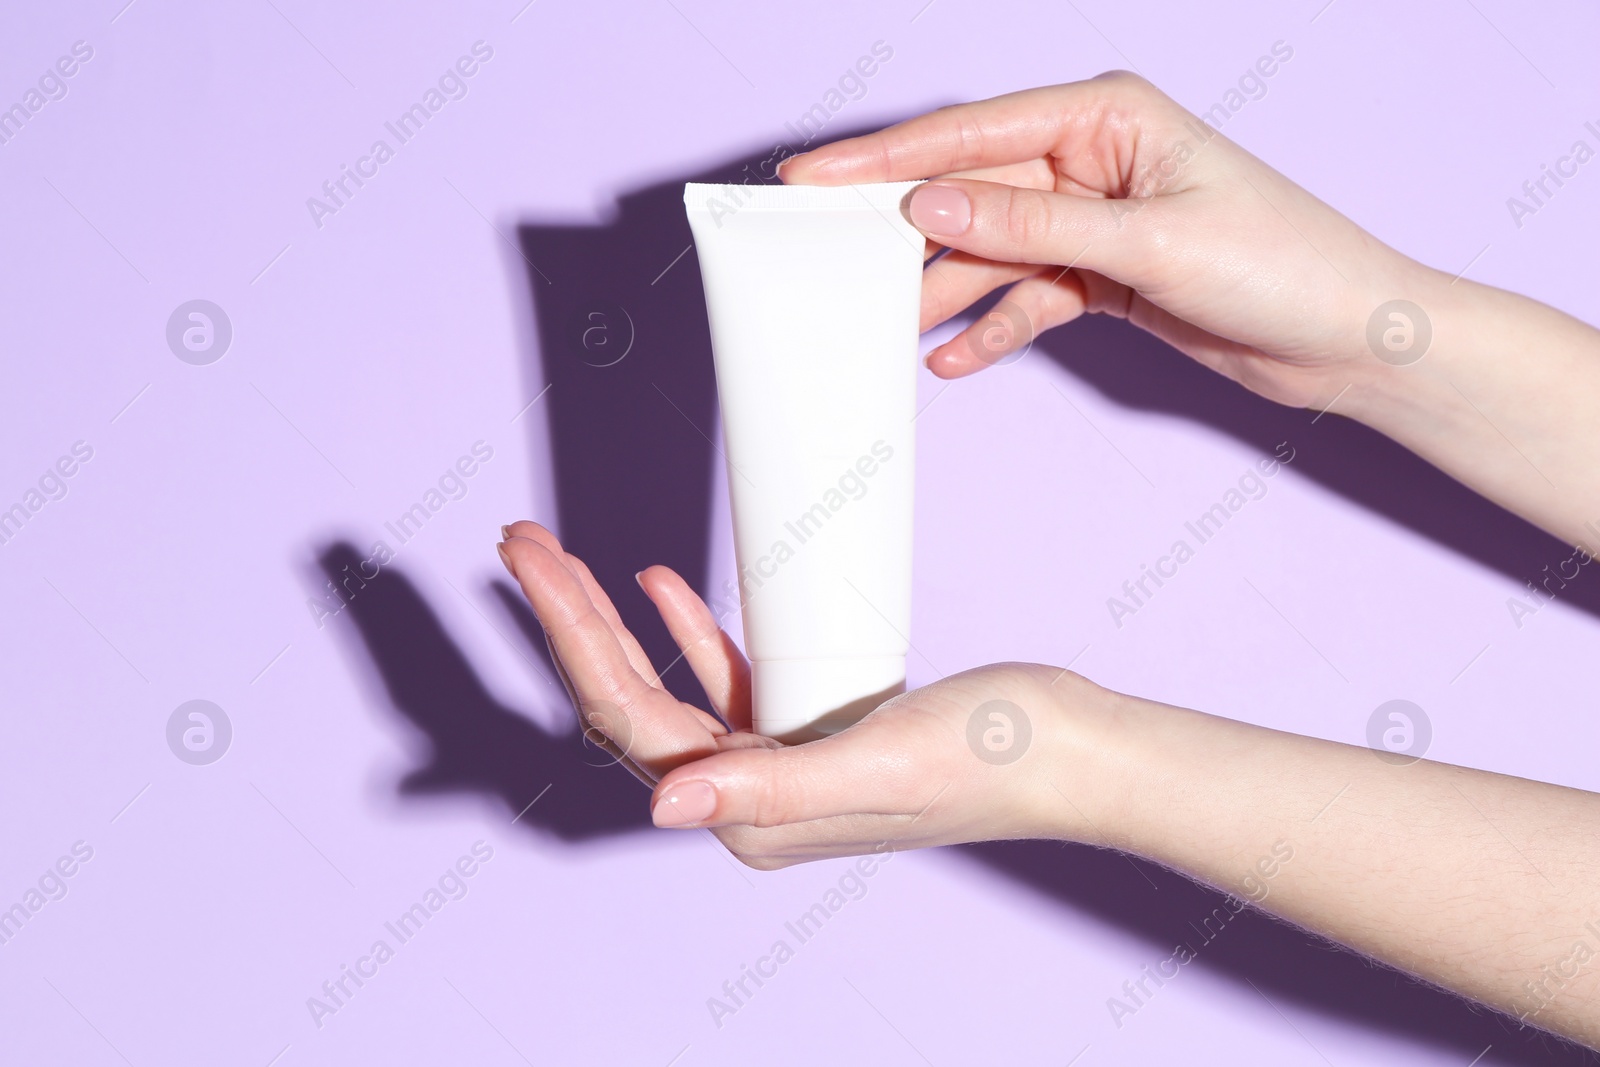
<point x="1087" y="786"/>
<point x="1421" y="332"/>
<point x="1169" y="784"/>
<point x="1501" y="396"/>
<point x="1387" y="339"/>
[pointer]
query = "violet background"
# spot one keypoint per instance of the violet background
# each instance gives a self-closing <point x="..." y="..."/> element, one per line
<point x="370" y="353"/>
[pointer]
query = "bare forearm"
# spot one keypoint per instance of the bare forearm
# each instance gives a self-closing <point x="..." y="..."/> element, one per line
<point x="1482" y="883"/>
<point x="1505" y="398"/>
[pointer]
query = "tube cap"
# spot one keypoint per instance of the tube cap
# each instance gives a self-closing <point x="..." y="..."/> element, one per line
<point x="798" y="700"/>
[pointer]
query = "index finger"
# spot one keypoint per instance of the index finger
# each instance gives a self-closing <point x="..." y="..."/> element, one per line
<point x="988" y="133"/>
<point x="659" y="733"/>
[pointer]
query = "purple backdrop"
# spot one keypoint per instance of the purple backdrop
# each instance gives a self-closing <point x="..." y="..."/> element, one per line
<point x="405" y="362"/>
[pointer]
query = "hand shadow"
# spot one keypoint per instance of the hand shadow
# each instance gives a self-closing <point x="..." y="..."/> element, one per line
<point x="1284" y="964"/>
<point x="623" y="346"/>
<point x="1137" y="370"/>
<point x="477" y="745"/>
<point x="621" y="364"/>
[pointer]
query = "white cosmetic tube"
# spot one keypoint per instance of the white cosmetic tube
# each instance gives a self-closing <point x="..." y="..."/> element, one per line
<point x="814" y="297"/>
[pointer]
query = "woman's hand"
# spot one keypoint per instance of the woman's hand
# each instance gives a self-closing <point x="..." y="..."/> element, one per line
<point x="1310" y="830"/>
<point x="906" y="776"/>
<point x="1106" y="195"/>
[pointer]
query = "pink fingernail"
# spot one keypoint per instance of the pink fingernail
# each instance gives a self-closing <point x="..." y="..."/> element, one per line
<point x="941" y="209"/>
<point x="505" y="557"/>
<point x="688" y="804"/>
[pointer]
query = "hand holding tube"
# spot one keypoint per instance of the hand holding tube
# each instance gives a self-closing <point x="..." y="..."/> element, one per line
<point x="1107" y="196"/>
<point x="904" y="777"/>
<point x="1412" y="865"/>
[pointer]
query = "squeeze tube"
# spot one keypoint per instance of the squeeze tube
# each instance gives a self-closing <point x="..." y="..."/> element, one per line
<point x="813" y="295"/>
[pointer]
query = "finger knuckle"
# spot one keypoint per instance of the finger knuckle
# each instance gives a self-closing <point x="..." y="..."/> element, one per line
<point x="776" y="802"/>
<point x="969" y="133"/>
<point x="1025" y="221"/>
<point x="1123" y="78"/>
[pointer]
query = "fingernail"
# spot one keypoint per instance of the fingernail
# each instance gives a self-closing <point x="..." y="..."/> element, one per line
<point x="941" y="209"/>
<point x="639" y="578"/>
<point x="688" y="804"/>
<point x="505" y="533"/>
<point x="505" y="557"/>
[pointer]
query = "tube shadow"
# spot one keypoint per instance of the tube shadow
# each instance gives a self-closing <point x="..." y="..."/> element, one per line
<point x="623" y="346"/>
<point x="625" y="351"/>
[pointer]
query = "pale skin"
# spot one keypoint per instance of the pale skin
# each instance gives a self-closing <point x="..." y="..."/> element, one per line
<point x="1479" y="882"/>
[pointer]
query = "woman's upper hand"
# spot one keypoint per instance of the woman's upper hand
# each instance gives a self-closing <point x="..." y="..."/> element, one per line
<point x="908" y="775"/>
<point x="1105" y="195"/>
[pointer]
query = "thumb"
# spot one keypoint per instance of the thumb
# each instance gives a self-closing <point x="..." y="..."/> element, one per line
<point x="776" y="786"/>
<point x="1008" y="224"/>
